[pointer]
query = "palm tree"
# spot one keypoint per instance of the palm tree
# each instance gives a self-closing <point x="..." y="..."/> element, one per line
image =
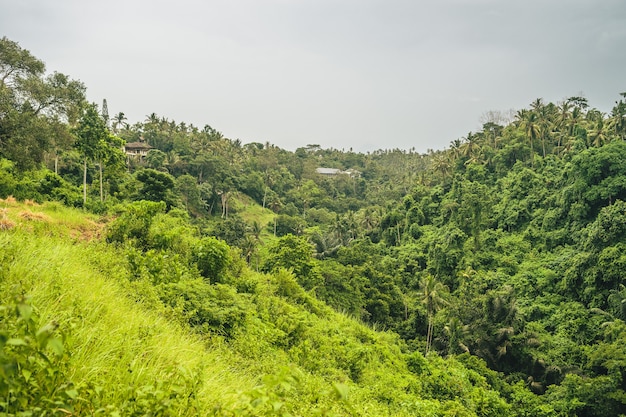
<point x="255" y="232"/>
<point x="119" y="120"/>
<point x="617" y="302"/>
<point x="471" y="146"/>
<point x="546" y="115"/>
<point x="432" y="293"/>
<point x="248" y="247"/>
<point x="598" y="133"/>
<point x="527" y="120"/>
<point x="618" y="118"/>
<point x="456" y="331"/>
<point x="441" y="163"/>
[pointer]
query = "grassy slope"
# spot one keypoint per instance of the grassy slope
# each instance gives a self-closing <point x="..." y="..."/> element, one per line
<point x="114" y="341"/>
<point x="123" y="343"/>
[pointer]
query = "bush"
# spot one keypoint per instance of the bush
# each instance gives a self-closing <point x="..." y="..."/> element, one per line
<point x="134" y="223"/>
<point x="207" y="308"/>
<point x="211" y="256"/>
<point x="33" y="380"/>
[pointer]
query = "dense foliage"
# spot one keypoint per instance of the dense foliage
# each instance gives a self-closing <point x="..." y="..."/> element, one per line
<point x="493" y="269"/>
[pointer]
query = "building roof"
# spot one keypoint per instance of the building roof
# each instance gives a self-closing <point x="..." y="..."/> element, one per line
<point x="137" y="145"/>
<point x="328" y="171"/>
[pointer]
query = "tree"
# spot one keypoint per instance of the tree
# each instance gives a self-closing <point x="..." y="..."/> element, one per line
<point x="432" y="295"/>
<point x="294" y="253"/>
<point x="33" y="110"/>
<point x="156" y="186"/>
<point x="109" y="153"/>
<point x="212" y="257"/>
<point x="17" y="64"/>
<point x="455" y="330"/>
<point x="155" y="159"/>
<point x="119" y="120"/>
<point x="91" y="139"/>
<point x="528" y="121"/>
<point x="190" y="193"/>
<point x="618" y="117"/>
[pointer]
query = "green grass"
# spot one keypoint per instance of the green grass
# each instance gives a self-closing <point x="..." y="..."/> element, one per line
<point x="251" y="211"/>
<point x="115" y="342"/>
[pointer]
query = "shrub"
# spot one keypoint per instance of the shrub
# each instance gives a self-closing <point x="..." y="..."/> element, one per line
<point x="207" y="308"/>
<point x="211" y="256"/>
<point x="134" y="223"/>
<point x="33" y="380"/>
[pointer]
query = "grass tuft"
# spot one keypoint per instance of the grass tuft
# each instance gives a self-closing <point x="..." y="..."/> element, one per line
<point x="6" y="224"/>
<point x="10" y="200"/>
<point x="29" y="215"/>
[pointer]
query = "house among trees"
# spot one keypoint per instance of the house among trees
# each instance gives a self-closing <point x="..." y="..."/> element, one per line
<point x="137" y="149"/>
<point x="333" y="172"/>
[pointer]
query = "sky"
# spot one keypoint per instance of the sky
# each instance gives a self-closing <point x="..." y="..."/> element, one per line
<point x="344" y="74"/>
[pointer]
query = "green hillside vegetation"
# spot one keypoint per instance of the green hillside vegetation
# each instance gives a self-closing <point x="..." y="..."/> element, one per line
<point x="212" y="277"/>
<point x="117" y="330"/>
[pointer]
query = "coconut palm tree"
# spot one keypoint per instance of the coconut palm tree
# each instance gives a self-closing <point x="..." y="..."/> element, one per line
<point x="618" y="118"/>
<point x="599" y="134"/>
<point x="119" y="120"/>
<point x="432" y="295"/>
<point x="456" y="331"/>
<point x="528" y="121"/>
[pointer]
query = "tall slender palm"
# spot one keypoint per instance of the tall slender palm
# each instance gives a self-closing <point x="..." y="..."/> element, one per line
<point x="599" y="134"/>
<point x="618" y="118"/>
<point x="528" y="121"/>
<point x="432" y="295"/>
<point x="546" y="115"/>
<point x="456" y="332"/>
<point x="119" y="120"/>
<point x="442" y="164"/>
<point x="470" y="145"/>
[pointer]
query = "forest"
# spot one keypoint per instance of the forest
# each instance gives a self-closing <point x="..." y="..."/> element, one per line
<point x="205" y="276"/>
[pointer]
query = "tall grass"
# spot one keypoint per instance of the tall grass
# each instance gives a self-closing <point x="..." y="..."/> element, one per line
<point x="115" y="343"/>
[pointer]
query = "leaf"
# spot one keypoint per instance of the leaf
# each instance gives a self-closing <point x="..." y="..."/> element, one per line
<point x="56" y="345"/>
<point x="71" y="393"/>
<point x="26" y="374"/>
<point x="46" y="330"/>
<point x="16" y="342"/>
<point x="25" y="311"/>
<point x="342" y="391"/>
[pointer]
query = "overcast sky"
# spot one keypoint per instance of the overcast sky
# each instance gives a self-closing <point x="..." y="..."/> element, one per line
<point x="361" y="74"/>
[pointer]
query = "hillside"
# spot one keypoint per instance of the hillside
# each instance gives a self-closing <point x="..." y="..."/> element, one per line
<point x="118" y="344"/>
<point x="214" y="277"/>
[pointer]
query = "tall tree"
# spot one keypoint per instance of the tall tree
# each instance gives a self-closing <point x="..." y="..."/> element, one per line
<point x="91" y="133"/>
<point x="528" y="121"/>
<point x="432" y="295"/>
<point x="33" y="109"/>
<point x="618" y="117"/>
<point x="109" y="153"/>
<point x="119" y="120"/>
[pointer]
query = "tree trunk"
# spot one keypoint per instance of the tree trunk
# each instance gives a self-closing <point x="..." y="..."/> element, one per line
<point x="264" y="195"/>
<point x="224" y="197"/>
<point x="85" y="183"/>
<point x="101" y="190"/>
<point x="429" y="335"/>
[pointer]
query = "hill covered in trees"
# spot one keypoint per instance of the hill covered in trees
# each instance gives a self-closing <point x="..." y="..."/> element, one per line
<point x="211" y="276"/>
